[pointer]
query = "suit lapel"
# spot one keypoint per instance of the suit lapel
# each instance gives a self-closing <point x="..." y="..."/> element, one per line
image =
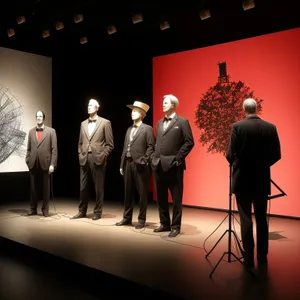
<point x="86" y="129"/>
<point x="44" y="135"/>
<point x="33" y="136"/>
<point x="139" y="130"/>
<point x="161" y="126"/>
<point x="173" y="121"/>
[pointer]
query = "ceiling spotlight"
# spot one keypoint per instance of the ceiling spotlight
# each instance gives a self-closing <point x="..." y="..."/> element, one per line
<point x="59" y="25"/>
<point x="164" y="25"/>
<point x="45" y="33"/>
<point x="21" y="20"/>
<point x="137" y="18"/>
<point x="11" y="32"/>
<point x="205" y="14"/>
<point x="78" y="18"/>
<point x="111" y="29"/>
<point x="248" y="4"/>
<point x="83" y="40"/>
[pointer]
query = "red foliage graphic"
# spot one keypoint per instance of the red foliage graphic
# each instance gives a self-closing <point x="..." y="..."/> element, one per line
<point x="219" y="108"/>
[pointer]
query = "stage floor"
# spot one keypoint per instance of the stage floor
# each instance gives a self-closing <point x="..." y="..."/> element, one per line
<point x="174" y="265"/>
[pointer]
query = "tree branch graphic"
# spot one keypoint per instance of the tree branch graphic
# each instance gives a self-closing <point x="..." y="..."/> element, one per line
<point x="219" y="108"/>
<point x="11" y="135"/>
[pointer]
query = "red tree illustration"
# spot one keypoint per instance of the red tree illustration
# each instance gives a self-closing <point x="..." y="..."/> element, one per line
<point x="219" y="108"/>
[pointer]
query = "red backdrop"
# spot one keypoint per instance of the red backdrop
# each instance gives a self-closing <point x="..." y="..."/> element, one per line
<point x="270" y="66"/>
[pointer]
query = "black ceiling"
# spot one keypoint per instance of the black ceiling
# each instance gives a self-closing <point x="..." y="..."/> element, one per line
<point x="228" y="22"/>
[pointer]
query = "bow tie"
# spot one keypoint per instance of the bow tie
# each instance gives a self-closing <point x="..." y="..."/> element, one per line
<point x="92" y="120"/>
<point x="39" y="129"/>
<point x="167" y="119"/>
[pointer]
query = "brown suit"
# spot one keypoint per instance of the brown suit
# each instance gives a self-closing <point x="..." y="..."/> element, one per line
<point x="93" y="152"/>
<point x="40" y="155"/>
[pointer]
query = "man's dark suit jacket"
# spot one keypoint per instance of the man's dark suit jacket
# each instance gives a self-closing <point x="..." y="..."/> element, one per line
<point x="172" y="145"/>
<point x="141" y="146"/>
<point x="44" y="151"/>
<point x="101" y="141"/>
<point x="254" y="147"/>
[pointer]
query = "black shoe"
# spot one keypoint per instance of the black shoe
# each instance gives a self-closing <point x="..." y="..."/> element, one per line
<point x="174" y="232"/>
<point x="45" y="214"/>
<point x="139" y="225"/>
<point x="96" y="217"/>
<point x="79" y="216"/>
<point x="32" y="213"/>
<point x="123" y="222"/>
<point x="162" y="228"/>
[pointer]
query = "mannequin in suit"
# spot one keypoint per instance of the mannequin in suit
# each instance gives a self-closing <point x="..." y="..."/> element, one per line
<point x="41" y="159"/>
<point x="95" y="144"/>
<point x="174" y="141"/>
<point x="135" y="167"/>
<point x="254" y="147"/>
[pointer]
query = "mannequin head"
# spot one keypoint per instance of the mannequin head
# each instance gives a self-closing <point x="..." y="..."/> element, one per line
<point x="40" y="117"/>
<point x="138" y="111"/>
<point x="137" y="114"/>
<point x="170" y="104"/>
<point x="93" y="107"/>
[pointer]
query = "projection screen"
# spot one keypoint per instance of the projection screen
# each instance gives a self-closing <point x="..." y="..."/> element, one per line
<point x="211" y="84"/>
<point x="25" y="88"/>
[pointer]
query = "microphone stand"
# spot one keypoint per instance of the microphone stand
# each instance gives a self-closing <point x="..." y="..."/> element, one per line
<point x="231" y="233"/>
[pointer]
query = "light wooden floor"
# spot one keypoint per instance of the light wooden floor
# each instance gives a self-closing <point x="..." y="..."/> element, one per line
<point x="177" y="266"/>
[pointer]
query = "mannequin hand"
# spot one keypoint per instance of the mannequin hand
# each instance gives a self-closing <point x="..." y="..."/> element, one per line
<point x="121" y="171"/>
<point x="51" y="169"/>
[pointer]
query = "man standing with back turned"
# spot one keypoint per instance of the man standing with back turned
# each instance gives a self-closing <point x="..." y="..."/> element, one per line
<point x="174" y="141"/>
<point x="94" y="146"/>
<point x="254" y="147"/>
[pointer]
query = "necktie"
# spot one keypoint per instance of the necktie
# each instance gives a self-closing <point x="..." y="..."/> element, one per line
<point x="133" y="131"/>
<point x="39" y="133"/>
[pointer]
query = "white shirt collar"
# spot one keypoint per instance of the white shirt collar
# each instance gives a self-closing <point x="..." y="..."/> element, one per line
<point x="138" y="124"/>
<point x="172" y="115"/>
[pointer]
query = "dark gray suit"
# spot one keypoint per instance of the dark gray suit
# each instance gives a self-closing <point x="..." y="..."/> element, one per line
<point x="93" y="151"/>
<point x="171" y="148"/>
<point x="40" y="155"/>
<point x="137" y="170"/>
<point x="254" y="147"/>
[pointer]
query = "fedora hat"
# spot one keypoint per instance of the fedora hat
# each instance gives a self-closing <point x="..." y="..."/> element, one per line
<point x="137" y="104"/>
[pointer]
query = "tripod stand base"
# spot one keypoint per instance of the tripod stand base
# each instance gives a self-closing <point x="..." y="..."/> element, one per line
<point x="238" y="259"/>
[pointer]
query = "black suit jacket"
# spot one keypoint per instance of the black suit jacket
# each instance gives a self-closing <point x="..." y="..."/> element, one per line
<point x="141" y="146"/>
<point x="254" y="147"/>
<point x="45" y="151"/>
<point x="172" y="145"/>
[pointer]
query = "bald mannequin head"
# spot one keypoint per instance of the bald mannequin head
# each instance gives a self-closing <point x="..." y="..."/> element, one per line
<point x="93" y="107"/>
<point x="40" y="117"/>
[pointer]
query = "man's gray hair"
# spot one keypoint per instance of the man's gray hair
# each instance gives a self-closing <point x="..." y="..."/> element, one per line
<point x="173" y="99"/>
<point x="249" y="106"/>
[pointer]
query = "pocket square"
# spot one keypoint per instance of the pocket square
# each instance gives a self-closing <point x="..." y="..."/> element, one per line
<point x="176" y="127"/>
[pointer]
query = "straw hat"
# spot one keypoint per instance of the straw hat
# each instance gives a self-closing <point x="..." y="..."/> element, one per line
<point x="137" y="104"/>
